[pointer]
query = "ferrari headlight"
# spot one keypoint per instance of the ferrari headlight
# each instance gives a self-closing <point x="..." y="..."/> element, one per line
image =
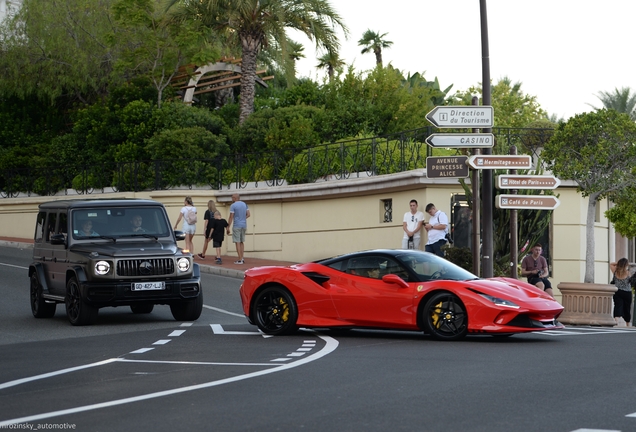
<point x="183" y="264"/>
<point x="499" y="301"/>
<point x="102" y="267"/>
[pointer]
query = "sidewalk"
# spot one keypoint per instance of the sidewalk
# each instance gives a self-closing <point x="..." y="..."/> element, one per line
<point x="228" y="268"/>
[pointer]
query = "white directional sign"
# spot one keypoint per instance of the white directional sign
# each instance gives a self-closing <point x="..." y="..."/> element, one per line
<point x="500" y="162"/>
<point x="456" y="140"/>
<point x="461" y="116"/>
<point x="527" y="182"/>
<point x="530" y="202"/>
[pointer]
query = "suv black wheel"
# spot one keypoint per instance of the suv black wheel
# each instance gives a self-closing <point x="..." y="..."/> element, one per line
<point x="78" y="312"/>
<point x="188" y="310"/>
<point x="39" y="307"/>
<point x="142" y="308"/>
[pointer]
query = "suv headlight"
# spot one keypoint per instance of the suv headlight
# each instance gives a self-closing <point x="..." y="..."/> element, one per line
<point x="183" y="264"/>
<point x="102" y="268"/>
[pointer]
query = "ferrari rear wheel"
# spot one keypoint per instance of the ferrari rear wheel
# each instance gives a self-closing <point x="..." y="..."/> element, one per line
<point x="445" y="317"/>
<point x="275" y="311"/>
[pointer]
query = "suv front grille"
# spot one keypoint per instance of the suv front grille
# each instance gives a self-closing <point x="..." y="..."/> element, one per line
<point x="145" y="267"/>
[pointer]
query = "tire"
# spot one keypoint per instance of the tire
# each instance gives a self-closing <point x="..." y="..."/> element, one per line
<point x="79" y="313"/>
<point x="188" y="310"/>
<point x="142" y="308"/>
<point x="275" y="311"/>
<point x="39" y="307"/>
<point x="445" y="317"/>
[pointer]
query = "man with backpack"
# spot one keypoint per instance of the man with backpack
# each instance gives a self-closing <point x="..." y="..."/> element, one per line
<point x="436" y="229"/>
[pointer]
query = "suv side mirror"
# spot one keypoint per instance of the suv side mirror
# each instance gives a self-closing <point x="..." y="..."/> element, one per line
<point x="58" y="239"/>
<point x="179" y="235"/>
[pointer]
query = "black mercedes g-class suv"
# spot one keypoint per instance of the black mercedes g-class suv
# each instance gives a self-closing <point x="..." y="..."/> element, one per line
<point x="91" y="254"/>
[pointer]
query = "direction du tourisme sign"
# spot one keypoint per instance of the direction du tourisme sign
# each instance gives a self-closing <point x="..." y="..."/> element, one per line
<point x="461" y="116"/>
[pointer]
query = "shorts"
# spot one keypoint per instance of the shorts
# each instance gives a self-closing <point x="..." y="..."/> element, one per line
<point x="189" y="229"/>
<point x="217" y="243"/>
<point x="535" y="280"/>
<point x="238" y="235"/>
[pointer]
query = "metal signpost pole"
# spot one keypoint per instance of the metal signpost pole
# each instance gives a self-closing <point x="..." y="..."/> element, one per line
<point x="487" y="183"/>
<point x="476" y="237"/>
<point x="514" y="235"/>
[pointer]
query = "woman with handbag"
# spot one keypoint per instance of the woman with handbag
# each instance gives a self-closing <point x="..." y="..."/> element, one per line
<point x="623" y="294"/>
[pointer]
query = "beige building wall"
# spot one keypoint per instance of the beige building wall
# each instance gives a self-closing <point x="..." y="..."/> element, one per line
<point x="307" y="222"/>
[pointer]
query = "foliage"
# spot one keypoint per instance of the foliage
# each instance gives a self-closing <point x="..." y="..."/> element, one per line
<point x="596" y="150"/>
<point x="512" y="108"/>
<point x="374" y="42"/>
<point x="55" y="48"/>
<point x="251" y="24"/>
<point x="622" y="100"/>
<point x="460" y="256"/>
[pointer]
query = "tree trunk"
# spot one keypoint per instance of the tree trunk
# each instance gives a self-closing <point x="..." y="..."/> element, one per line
<point x="589" y="238"/>
<point x="378" y="56"/>
<point x="251" y="46"/>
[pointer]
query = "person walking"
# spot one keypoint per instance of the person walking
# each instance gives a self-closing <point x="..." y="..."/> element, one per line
<point x="412" y="225"/>
<point x="217" y="234"/>
<point x="436" y="229"/>
<point x="208" y="222"/>
<point x="239" y="212"/>
<point x="623" y="294"/>
<point x="189" y="215"/>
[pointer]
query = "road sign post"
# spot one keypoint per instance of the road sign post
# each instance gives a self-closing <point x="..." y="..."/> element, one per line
<point x="527" y="182"/>
<point x="461" y="116"/>
<point x="446" y="167"/>
<point x="527" y="202"/>
<point x="458" y="140"/>
<point x="500" y="162"/>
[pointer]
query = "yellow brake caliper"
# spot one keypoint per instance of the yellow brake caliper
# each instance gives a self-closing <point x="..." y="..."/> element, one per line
<point x="285" y="314"/>
<point x="435" y="315"/>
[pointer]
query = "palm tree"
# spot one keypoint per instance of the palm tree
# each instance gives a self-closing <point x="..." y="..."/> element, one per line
<point x="374" y="42"/>
<point x="621" y="100"/>
<point x="330" y="61"/>
<point x="250" y="24"/>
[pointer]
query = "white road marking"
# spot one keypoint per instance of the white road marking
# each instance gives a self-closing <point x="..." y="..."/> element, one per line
<point x="141" y="350"/>
<point x="162" y="341"/>
<point x="596" y="430"/>
<point x="52" y="374"/>
<point x="188" y="324"/>
<point x="176" y="333"/>
<point x="125" y="360"/>
<point x="218" y="329"/>
<point x="224" y="311"/>
<point x="296" y="354"/>
<point x="15" y="266"/>
<point x="330" y="346"/>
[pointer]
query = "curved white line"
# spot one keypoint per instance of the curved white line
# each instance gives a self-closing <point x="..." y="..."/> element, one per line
<point x="224" y="311"/>
<point x="330" y="346"/>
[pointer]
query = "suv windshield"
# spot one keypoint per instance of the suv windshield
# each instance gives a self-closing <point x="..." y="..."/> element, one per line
<point x="118" y="222"/>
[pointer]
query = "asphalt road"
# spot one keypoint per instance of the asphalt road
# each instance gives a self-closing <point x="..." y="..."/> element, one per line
<point x="135" y="372"/>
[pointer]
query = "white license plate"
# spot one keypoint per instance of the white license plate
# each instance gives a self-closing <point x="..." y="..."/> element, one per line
<point x="144" y="286"/>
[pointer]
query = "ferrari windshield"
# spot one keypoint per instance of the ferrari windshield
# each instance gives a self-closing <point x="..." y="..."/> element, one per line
<point x="428" y="267"/>
<point x="119" y="222"/>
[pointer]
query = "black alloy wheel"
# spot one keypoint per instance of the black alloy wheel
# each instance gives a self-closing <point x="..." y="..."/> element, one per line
<point x="445" y="317"/>
<point x="79" y="313"/>
<point x="275" y="311"/>
<point x="39" y="307"/>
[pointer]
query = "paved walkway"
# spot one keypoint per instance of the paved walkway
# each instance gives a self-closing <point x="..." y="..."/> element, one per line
<point x="228" y="268"/>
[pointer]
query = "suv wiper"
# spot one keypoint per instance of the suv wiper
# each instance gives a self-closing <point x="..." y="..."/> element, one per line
<point x="97" y="237"/>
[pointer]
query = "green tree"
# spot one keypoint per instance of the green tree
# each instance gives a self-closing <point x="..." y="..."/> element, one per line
<point x="57" y="48"/>
<point x="152" y="46"/>
<point x="252" y="23"/>
<point x="596" y="150"/>
<point x="512" y="107"/>
<point x="374" y="42"/>
<point x="623" y="101"/>
<point x="330" y="61"/>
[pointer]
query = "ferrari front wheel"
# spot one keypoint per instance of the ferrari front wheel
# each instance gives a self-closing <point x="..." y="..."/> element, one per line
<point x="275" y="311"/>
<point x="445" y="317"/>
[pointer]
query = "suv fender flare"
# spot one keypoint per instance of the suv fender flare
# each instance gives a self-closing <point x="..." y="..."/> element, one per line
<point x="196" y="270"/>
<point x="78" y="272"/>
<point x="38" y="269"/>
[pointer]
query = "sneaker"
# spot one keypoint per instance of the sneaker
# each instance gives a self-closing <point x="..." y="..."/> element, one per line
<point x="218" y="261"/>
<point x="201" y="256"/>
<point x="239" y="262"/>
